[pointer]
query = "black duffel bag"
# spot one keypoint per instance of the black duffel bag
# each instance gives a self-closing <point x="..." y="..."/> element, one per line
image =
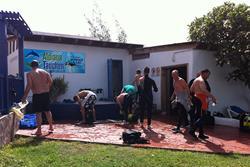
<point x="131" y="136"/>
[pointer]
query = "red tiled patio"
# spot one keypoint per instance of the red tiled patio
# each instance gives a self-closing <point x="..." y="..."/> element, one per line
<point x="222" y="139"/>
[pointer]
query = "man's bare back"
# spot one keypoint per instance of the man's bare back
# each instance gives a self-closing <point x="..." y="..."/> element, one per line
<point x="199" y="86"/>
<point x="39" y="80"/>
<point x="200" y="90"/>
<point x="180" y="85"/>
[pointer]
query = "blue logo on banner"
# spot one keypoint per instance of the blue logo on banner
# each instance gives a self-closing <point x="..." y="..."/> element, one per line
<point x="55" y="61"/>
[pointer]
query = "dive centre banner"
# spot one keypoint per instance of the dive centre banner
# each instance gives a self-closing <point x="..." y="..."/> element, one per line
<point x="55" y="61"/>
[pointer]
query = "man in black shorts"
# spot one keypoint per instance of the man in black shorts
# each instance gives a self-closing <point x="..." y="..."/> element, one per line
<point x="39" y="82"/>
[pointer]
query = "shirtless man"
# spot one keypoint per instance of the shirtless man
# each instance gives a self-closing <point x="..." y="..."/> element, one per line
<point x="39" y="82"/>
<point x="200" y="91"/>
<point x="182" y="100"/>
<point x="136" y="83"/>
<point x="85" y="98"/>
<point x="137" y="77"/>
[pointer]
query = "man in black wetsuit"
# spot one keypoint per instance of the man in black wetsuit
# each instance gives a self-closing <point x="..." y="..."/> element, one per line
<point x="146" y="84"/>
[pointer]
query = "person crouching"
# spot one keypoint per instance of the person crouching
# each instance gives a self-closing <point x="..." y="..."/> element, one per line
<point x="86" y="99"/>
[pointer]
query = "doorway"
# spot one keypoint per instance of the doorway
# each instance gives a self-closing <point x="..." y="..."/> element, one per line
<point x="115" y="78"/>
<point x="167" y="88"/>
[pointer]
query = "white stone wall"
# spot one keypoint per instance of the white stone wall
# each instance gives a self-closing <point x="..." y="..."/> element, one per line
<point x="95" y="75"/>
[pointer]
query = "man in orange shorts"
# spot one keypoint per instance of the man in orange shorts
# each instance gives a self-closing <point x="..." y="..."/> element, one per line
<point x="200" y="91"/>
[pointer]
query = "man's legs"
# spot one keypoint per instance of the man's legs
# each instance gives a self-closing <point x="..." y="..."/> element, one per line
<point x="181" y="113"/>
<point x="92" y="101"/>
<point x="185" y="117"/>
<point x="94" y="114"/>
<point x="201" y="131"/>
<point x="142" y="110"/>
<point x="83" y="115"/>
<point x="192" y="116"/>
<point x="149" y="111"/>
<point x="39" y="123"/>
<point x="194" y="113"/>
<point x="199" y="122"/>
<point x="41" y="102"/>
<point x="50" y="120"/>
<point x="126" y="107"/>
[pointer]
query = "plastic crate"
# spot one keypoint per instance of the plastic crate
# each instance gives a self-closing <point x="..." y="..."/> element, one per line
<point x="28" y="122"/>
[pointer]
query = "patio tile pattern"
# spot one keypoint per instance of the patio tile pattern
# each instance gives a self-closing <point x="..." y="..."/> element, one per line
<point x="221" y="139"/>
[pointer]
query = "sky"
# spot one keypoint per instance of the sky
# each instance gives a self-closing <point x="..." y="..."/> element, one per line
<point x="147" y="22"/>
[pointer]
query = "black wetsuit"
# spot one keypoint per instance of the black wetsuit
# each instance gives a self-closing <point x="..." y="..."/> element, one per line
<point x="146" y="98"/>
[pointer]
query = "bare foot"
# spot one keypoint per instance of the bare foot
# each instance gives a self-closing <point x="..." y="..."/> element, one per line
<point x="37" y="133"/>
<point x="51" y="130"/>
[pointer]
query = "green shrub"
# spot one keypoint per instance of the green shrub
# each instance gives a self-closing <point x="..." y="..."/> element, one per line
<point x="58" y="87"/>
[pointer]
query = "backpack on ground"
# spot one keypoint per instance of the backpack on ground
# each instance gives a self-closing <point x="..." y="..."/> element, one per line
<point x="131" y="136"/>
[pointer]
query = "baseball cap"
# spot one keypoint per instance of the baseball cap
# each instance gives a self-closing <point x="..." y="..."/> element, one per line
<point x="34" y="63"/>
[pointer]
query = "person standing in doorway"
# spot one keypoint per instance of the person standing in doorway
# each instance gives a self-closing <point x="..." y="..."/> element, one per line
<point x="181" y="100"/>
<point x="200" y="90"/>
<point x="146" y="85"/>
<point x="39" y="82"/>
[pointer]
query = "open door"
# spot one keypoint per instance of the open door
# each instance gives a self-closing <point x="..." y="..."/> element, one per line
<point x="115" y="77"/>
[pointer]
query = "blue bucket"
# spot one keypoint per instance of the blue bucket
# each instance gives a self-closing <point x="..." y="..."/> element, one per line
<point x="28" y="122"/>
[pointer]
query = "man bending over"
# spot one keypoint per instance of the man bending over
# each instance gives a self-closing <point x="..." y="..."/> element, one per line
<point x="86" y="99"/>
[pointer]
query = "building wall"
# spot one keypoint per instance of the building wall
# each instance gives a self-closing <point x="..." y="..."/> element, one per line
<point x="95" y="75"/>
<point x="227" y="93"/>
<point x="13" y="57"/>
<point x="13" y="63"/>
<point x="164" y="59"/>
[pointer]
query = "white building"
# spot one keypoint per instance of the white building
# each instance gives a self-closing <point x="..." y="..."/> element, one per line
<point x="97" y="54"/>
<point x="189" y="58"/>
